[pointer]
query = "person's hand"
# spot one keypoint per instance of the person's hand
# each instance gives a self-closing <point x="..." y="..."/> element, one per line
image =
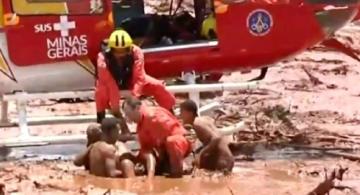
<point x="124" y="137"/>
<point x="149" y="181"/>
<point x="179" y="175"/>
<point x="188" y="127"/>
<point x="196" y="161"/>
<point x="128" y="156"/>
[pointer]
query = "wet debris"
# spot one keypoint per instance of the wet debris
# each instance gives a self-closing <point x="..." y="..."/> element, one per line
<point x="314" y="80"/>
<point x="329" y="183"/>
<point x="345" y="155"/>
<point x="2" y="189"/>
<point x="322" y="60"/>
<point x="340" y="70"/>
<point x="54" y="185"/>
<point x="4" y="151"/>
<point x="230" y="190"/>
<point x="22" y="177"/>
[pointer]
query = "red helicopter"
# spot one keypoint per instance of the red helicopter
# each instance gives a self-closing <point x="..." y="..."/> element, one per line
<point x="51" y="45"/>
<point x="333" y="43"/>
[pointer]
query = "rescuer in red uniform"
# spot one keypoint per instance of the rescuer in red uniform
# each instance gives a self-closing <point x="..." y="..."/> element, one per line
<point x="160" y="134"/>
<point x="121" y="66"/>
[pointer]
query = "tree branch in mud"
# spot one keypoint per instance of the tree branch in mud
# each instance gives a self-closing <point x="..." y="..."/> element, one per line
<point x="256" y="122"/>
<point x="315" y="81"/>
<point x="329" y="183"/>
<point x="107" y="192"/>
<point x="2" y="189"/>
<point x="56" y="186"/>
<point x="230" y="190"/>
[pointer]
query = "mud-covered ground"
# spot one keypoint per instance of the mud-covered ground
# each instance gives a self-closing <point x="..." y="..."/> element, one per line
<point x="311" y="102"/>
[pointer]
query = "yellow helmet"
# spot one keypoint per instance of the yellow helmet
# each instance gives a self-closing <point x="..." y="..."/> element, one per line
<point x="120" y="39"/>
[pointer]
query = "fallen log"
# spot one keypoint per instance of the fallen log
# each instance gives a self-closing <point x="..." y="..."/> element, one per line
<point x="317" y="148"/>
<point x="348" y="156"/>
<point x="334" y="139"/>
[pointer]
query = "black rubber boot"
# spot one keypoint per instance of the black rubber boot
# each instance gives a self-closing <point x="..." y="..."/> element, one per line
<point x="100" y="116"/>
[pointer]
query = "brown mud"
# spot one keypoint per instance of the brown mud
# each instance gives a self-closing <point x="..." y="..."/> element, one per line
<point x="311" y="102"/>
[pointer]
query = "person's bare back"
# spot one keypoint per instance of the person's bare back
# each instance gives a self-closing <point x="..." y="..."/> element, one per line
<point x="102" y="158"/>
<point x="205" y="129"/>
<point x="101" y="155"/>
<point x="215" y="154"/>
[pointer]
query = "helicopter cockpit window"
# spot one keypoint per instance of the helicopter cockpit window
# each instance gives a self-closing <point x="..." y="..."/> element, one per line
<point x="59" y="7"/>
<point x="169" y="7"/>
<point x="162" y="22"/>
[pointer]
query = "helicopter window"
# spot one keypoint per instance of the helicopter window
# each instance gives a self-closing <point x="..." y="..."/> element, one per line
<point x="58" y="7"/>
<point x="163" y="22"/>
<point x="169" y="7"/>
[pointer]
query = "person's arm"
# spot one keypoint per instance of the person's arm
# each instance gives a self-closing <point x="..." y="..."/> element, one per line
<point x="202" y="132"/>
<point x="101" y="64"/>
<point x="124" y="129"/>
<point x="150" y="163"/>
<point x="206" y="152"/>
<point x="147" y="158"/>
<point x="130" y="156"/>
<point x="138" y="75"/>
<point x="110" y="162"/>
<point x="82" y="158"/>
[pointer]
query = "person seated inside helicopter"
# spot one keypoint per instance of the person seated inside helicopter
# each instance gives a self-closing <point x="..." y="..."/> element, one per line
<point x="183" y="28"/>
<point x="161" y="30"/>
<point x="148" y="30"/>
<point x="208" y="28"/>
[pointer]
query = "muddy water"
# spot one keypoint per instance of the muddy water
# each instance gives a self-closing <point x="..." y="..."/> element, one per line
<point x="159" y="184"/>
<point x="274" y="171"/>
<point x="243" y="181"/>
<point x="68" y="151"/>
<point x="289" y="176"/>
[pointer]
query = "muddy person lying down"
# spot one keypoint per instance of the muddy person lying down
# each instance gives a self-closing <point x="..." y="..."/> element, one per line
<point x="101" y="157"/>
<point x="217" y="151"/>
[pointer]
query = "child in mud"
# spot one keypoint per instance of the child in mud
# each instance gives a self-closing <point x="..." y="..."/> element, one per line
<point x="101" y="157"/>
<point x="217" y="151"/>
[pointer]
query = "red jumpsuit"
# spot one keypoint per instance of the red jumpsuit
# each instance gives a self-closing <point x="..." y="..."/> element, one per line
<point x="107" y="92"/>
<point x="159" y="129"/>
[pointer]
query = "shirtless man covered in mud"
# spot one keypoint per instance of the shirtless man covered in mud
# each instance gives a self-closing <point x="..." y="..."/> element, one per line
<point x="103" y="151"/>
<point x="217" y="151"/>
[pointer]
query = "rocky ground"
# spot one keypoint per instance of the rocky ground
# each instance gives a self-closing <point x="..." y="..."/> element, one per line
<point x="310" y="102"/>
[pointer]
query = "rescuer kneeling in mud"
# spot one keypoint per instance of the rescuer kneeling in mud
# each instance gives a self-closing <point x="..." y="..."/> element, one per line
<point x="102" y="156"/>
<point x="121" y="66"/>
<point x="217" y="151"/>
<point x="161" y="137"/>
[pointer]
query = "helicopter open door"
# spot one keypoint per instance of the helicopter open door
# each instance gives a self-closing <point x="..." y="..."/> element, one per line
<point x="47" y="31"/>
<point x="166" y="25"/>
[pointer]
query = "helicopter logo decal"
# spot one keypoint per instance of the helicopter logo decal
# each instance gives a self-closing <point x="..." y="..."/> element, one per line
<point x="259" y="22"/>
